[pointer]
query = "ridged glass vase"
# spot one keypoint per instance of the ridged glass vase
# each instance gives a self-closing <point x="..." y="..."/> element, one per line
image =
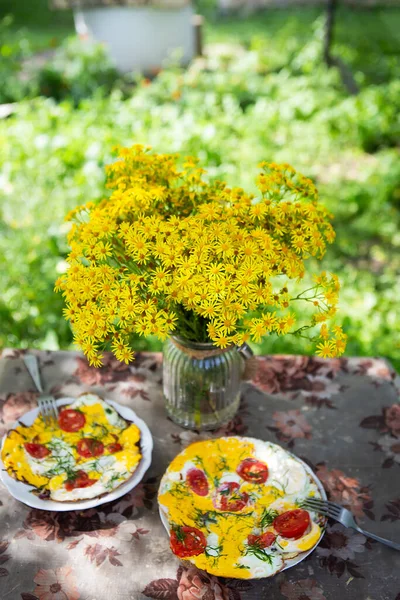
<point x="201" y="383"/>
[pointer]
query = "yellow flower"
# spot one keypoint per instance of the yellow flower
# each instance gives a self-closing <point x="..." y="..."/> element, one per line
<point x="129" y="308"/>
<point x="226" y="324"/>
<point x="324" y="333"/>
<point x="125" y="355"/>
<point x="89" y="348"/>
<point x="338" y="331"/>
<point x="331" y="296"/>
<point x="268" y="320"/>
<point x="284" y="324"/>
<point x="221" y="340"/>
<point x="257" y="330"/>
<point x="70" y="312"/>
<point x="101" y="250"/>
<point x="166" y="248"/>
<point x="339" y="345"/>
<point x="59" y="284"/>
<point x="96" y="360"/>
<point x="325" y="349"/>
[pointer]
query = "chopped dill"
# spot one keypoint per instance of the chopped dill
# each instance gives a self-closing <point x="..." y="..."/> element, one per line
<point x="199" y="462"/>
<point x="259" y="553"/>
<point x="113" y="479"/>
<point x="223" y="464"/>
<point x="179" y="489"/>
<point x="207" y="518"/>
<point x="267" y="517"/>
<point x="213" y="551"/>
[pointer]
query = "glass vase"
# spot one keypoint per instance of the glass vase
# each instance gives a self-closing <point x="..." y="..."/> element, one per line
<point x="201" y="383"/>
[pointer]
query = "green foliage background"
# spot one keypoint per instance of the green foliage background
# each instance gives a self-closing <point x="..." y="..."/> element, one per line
<point x="262" y="93"/>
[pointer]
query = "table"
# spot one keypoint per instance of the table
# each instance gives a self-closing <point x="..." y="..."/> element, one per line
<point x="341" y="415"/>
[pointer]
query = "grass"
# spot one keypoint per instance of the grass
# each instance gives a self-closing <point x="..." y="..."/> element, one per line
<point x="274" y="23"/>
<point x="378" y="27"/>
<point x="41" y="38"/>
<point x="368" y="39"/>
<point x="44" y="28"/>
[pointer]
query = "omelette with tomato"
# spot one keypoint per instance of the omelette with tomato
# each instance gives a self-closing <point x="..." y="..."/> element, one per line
<point x="234" y="507"/>
<point x="89" y="452"/>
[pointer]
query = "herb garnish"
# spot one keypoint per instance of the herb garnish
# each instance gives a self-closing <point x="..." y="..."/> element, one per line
<point x="207" y="518"/>
<point x="213" y="551"/>
<point x="267" y="517"/>
<point x="179" y="489"/>
<point x="113" y="479"/>
<point x="259" y="553"/>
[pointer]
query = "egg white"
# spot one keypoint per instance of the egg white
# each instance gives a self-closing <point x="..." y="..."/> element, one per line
<point x="110" y="413"/>
<point x="59" y="450"/>
<point x="212" y="544"/>
<point x="284" y="472"/>
<point x="230" y="478"/>
<point x="175" y="477"/>
<point x="260" y="568"/>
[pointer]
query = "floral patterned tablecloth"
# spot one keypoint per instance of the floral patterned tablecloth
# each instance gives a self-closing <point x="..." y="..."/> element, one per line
<point x="342" y="416"/>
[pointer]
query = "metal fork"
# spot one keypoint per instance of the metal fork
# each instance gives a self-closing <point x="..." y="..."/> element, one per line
<point x="46" y="403"/>
<point x="343" y="516"/>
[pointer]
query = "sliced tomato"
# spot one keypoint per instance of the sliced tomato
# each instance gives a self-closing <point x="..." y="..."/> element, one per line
<point x="80" y="480"/>
<point x="253" y="470"/>
<point x="37" y="450"/>
<point x="187" y="541"/>
<point x="89" y="448"/>
<point x="230" y="498"/>
<point x="293" y="523"/>
<point x="115" y="447"/>
<point x="71" y="420"/>
<point x="265" y="540"/>
<point x="197" y="480"/>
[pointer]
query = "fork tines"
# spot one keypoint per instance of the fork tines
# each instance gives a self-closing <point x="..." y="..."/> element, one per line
<point x="324" y="507"/>
<point x="48" y="409"/>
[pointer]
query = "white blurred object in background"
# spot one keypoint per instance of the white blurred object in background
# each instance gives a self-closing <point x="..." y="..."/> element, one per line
<point x="139" y="38"/>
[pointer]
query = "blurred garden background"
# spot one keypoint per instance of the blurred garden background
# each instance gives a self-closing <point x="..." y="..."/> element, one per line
<point x="261" y="91"/>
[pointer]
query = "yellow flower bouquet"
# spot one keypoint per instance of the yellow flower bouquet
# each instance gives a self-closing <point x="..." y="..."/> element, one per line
<point x="168" y="252"/>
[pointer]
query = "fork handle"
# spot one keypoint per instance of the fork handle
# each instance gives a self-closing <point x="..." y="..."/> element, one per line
<point x="31" y="363"/>
<point x="379" y="539"/>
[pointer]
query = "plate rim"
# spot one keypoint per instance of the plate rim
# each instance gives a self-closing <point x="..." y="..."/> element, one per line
<point x="290" y="562"/>
<point x="26" y="497"/>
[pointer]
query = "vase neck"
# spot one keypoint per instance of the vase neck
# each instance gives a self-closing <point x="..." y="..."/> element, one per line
<point x="198" y="350"/>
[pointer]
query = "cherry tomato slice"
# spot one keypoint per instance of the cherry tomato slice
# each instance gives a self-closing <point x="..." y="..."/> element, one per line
<point x="253" y="470"/>
<point x="71" y="420"/>
<point x="115" y="447"/>
<point x="37" y="450"/>
<point x="197" y="480"/>
<point x="293" y="523"/>
<point x="265" y="540"/>
<point x="229" y="498"/>
<point x="81" y="480"/>
<point x="89" y="448"/>
<point x="187" y="541"/>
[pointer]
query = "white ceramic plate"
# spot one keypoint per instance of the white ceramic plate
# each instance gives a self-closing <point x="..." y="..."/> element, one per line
<point x="290" y="562"/>
<point x="22" y="492"/>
